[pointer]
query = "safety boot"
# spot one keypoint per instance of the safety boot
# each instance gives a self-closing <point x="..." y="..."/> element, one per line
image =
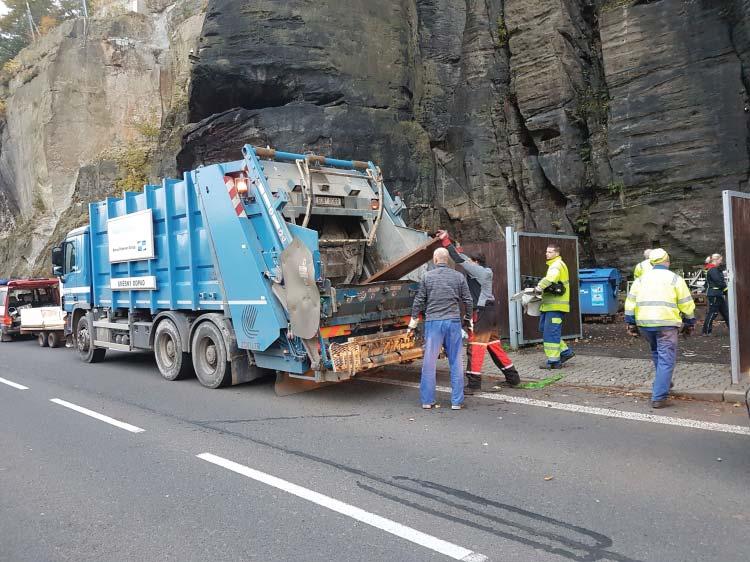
<point x="511" y="376"/>
<point x="567" y="357"/>
<point x="548" y="366"/>
<point x="473" y="384"/>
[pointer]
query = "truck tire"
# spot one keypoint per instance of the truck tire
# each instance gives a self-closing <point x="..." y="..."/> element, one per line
<point x="85" y="343"/>
<point x="210" y="356"/>
<point x="172" y="362"/>
<point x="54" y="339"/>
<point x="41" y="339"/>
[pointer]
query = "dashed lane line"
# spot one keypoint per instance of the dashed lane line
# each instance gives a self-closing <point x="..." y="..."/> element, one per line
<point x="14" y="384"/>
<point x="428" y="541"/>
<point x="606" y="412"/>
<point x="98" y="416"/>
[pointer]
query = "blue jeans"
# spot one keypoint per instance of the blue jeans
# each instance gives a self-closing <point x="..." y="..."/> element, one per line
<point x="663" y="343"/>
<point x="437" y="334"/>
<point x="550" y="324"/>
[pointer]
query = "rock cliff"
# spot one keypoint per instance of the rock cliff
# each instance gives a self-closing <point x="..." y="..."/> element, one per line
<point x="620" y="121"/>
<point x="84" y="112"/>
<point x="617" y="120"/>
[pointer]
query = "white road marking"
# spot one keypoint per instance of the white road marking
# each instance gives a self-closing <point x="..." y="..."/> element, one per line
<point x="14" y="384"/>
<point x="606" y="412"/>
<point x="98" y="416"/>
<point x="438" y="545"/>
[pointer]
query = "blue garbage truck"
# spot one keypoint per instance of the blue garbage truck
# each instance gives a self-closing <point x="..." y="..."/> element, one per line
<point x="245" y="268"/>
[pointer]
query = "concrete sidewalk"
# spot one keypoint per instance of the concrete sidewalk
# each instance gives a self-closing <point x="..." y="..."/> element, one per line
<point x="700" y="381"/>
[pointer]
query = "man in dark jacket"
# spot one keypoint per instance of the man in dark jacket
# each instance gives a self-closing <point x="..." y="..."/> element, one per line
<point x="442" y="292"/>
<point x="716" y="290"/>
<point x="485" y="336"/>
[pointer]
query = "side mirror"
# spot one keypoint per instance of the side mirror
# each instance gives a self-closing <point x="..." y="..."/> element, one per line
<point x="57" y="271"/>
<point x="57" y="257"/>
<point x="12" y="311"/>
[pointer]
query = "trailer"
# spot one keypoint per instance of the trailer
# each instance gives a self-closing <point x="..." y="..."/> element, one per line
<point x="18" y="297"/>
<point x="246" y="268"/>
<point x="46" y="323"/>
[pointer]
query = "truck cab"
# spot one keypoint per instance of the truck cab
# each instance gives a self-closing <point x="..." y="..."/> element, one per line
<point x="71" y="264"/>
<point x="17" y="294"/>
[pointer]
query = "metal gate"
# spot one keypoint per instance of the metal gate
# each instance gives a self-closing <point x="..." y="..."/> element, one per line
<point x="526" y="262"/>
<point x="737" y="241"/>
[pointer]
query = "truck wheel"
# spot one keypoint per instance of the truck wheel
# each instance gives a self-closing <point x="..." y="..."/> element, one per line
<point x="85" y="343"/>
<point x="210" y="356"/>
<point x="54" y="339"/>
<point x="42" y="339"/>
<point x="172" y="362"/>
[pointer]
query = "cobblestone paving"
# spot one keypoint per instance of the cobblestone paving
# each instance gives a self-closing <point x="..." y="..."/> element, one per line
<point x="701" y="381"/>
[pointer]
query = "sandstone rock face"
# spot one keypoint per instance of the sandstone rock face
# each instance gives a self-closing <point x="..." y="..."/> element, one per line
<point x="617" y="120"/>
<point x="678" y="126"/>
<point x="620" y="121"/>
<point x="85" y="109"/>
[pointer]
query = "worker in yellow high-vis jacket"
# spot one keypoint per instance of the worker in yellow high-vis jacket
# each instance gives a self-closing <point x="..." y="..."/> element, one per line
<point x="659" y="305"/>
<point x="555" y="291"/>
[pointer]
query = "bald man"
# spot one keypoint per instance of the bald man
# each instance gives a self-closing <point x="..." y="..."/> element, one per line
<point x="442" y="293"/>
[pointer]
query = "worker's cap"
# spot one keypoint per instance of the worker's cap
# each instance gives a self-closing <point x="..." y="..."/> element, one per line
<point x="658" y="256"/>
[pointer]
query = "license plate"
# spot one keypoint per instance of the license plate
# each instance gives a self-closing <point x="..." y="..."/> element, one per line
<point x="322" y="201"/>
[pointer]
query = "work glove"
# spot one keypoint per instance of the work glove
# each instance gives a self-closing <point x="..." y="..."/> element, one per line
<point x="468" y="324"/>
<point x="413" y="323"/>
<point x="633" y="330"/>
<point x="538" y="291"/>
<point x="688" y="330"/>
<point x="444" y="238"/>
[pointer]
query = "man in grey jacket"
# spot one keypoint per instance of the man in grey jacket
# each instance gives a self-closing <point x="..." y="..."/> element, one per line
<point x="441" y="295"/>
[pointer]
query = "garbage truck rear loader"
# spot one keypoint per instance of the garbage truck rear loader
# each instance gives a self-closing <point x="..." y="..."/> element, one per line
<point x="244" y="268"/>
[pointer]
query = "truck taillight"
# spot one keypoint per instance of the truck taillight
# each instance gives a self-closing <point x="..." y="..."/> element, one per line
<point x="6" y="321"/>
<point x="241" y="185"/>
<point x="375" y="204"/>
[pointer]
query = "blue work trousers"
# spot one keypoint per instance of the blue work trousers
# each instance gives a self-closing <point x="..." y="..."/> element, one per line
<point x="437" y="334"/>
<point x="663" y="343"/>
<point x="550" y="324"/>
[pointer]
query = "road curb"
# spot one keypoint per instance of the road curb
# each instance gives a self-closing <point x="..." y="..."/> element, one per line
<point x="735" y="395"/>
<point x="722" y="394"/>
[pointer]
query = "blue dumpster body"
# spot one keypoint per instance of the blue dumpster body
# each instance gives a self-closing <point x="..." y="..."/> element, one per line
<point x="599" y="289"/>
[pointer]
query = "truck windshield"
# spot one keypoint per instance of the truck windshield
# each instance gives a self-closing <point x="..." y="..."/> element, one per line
<point x="3" y="292"/>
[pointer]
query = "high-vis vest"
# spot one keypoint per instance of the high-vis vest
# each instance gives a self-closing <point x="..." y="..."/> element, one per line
<point x="642" y="268"/>
<point x="657" y="298"/>
<point x="556" y="271"/>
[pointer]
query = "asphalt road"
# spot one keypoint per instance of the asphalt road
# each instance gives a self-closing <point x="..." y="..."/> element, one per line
<point x="355" y="471"/>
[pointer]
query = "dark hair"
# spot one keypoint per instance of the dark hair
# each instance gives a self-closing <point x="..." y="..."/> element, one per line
<point x="554" y="246"/>
<point x="479" y="258"/>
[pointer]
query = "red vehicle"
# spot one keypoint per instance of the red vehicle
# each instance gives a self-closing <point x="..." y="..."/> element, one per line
<point x="17" y="294"/>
